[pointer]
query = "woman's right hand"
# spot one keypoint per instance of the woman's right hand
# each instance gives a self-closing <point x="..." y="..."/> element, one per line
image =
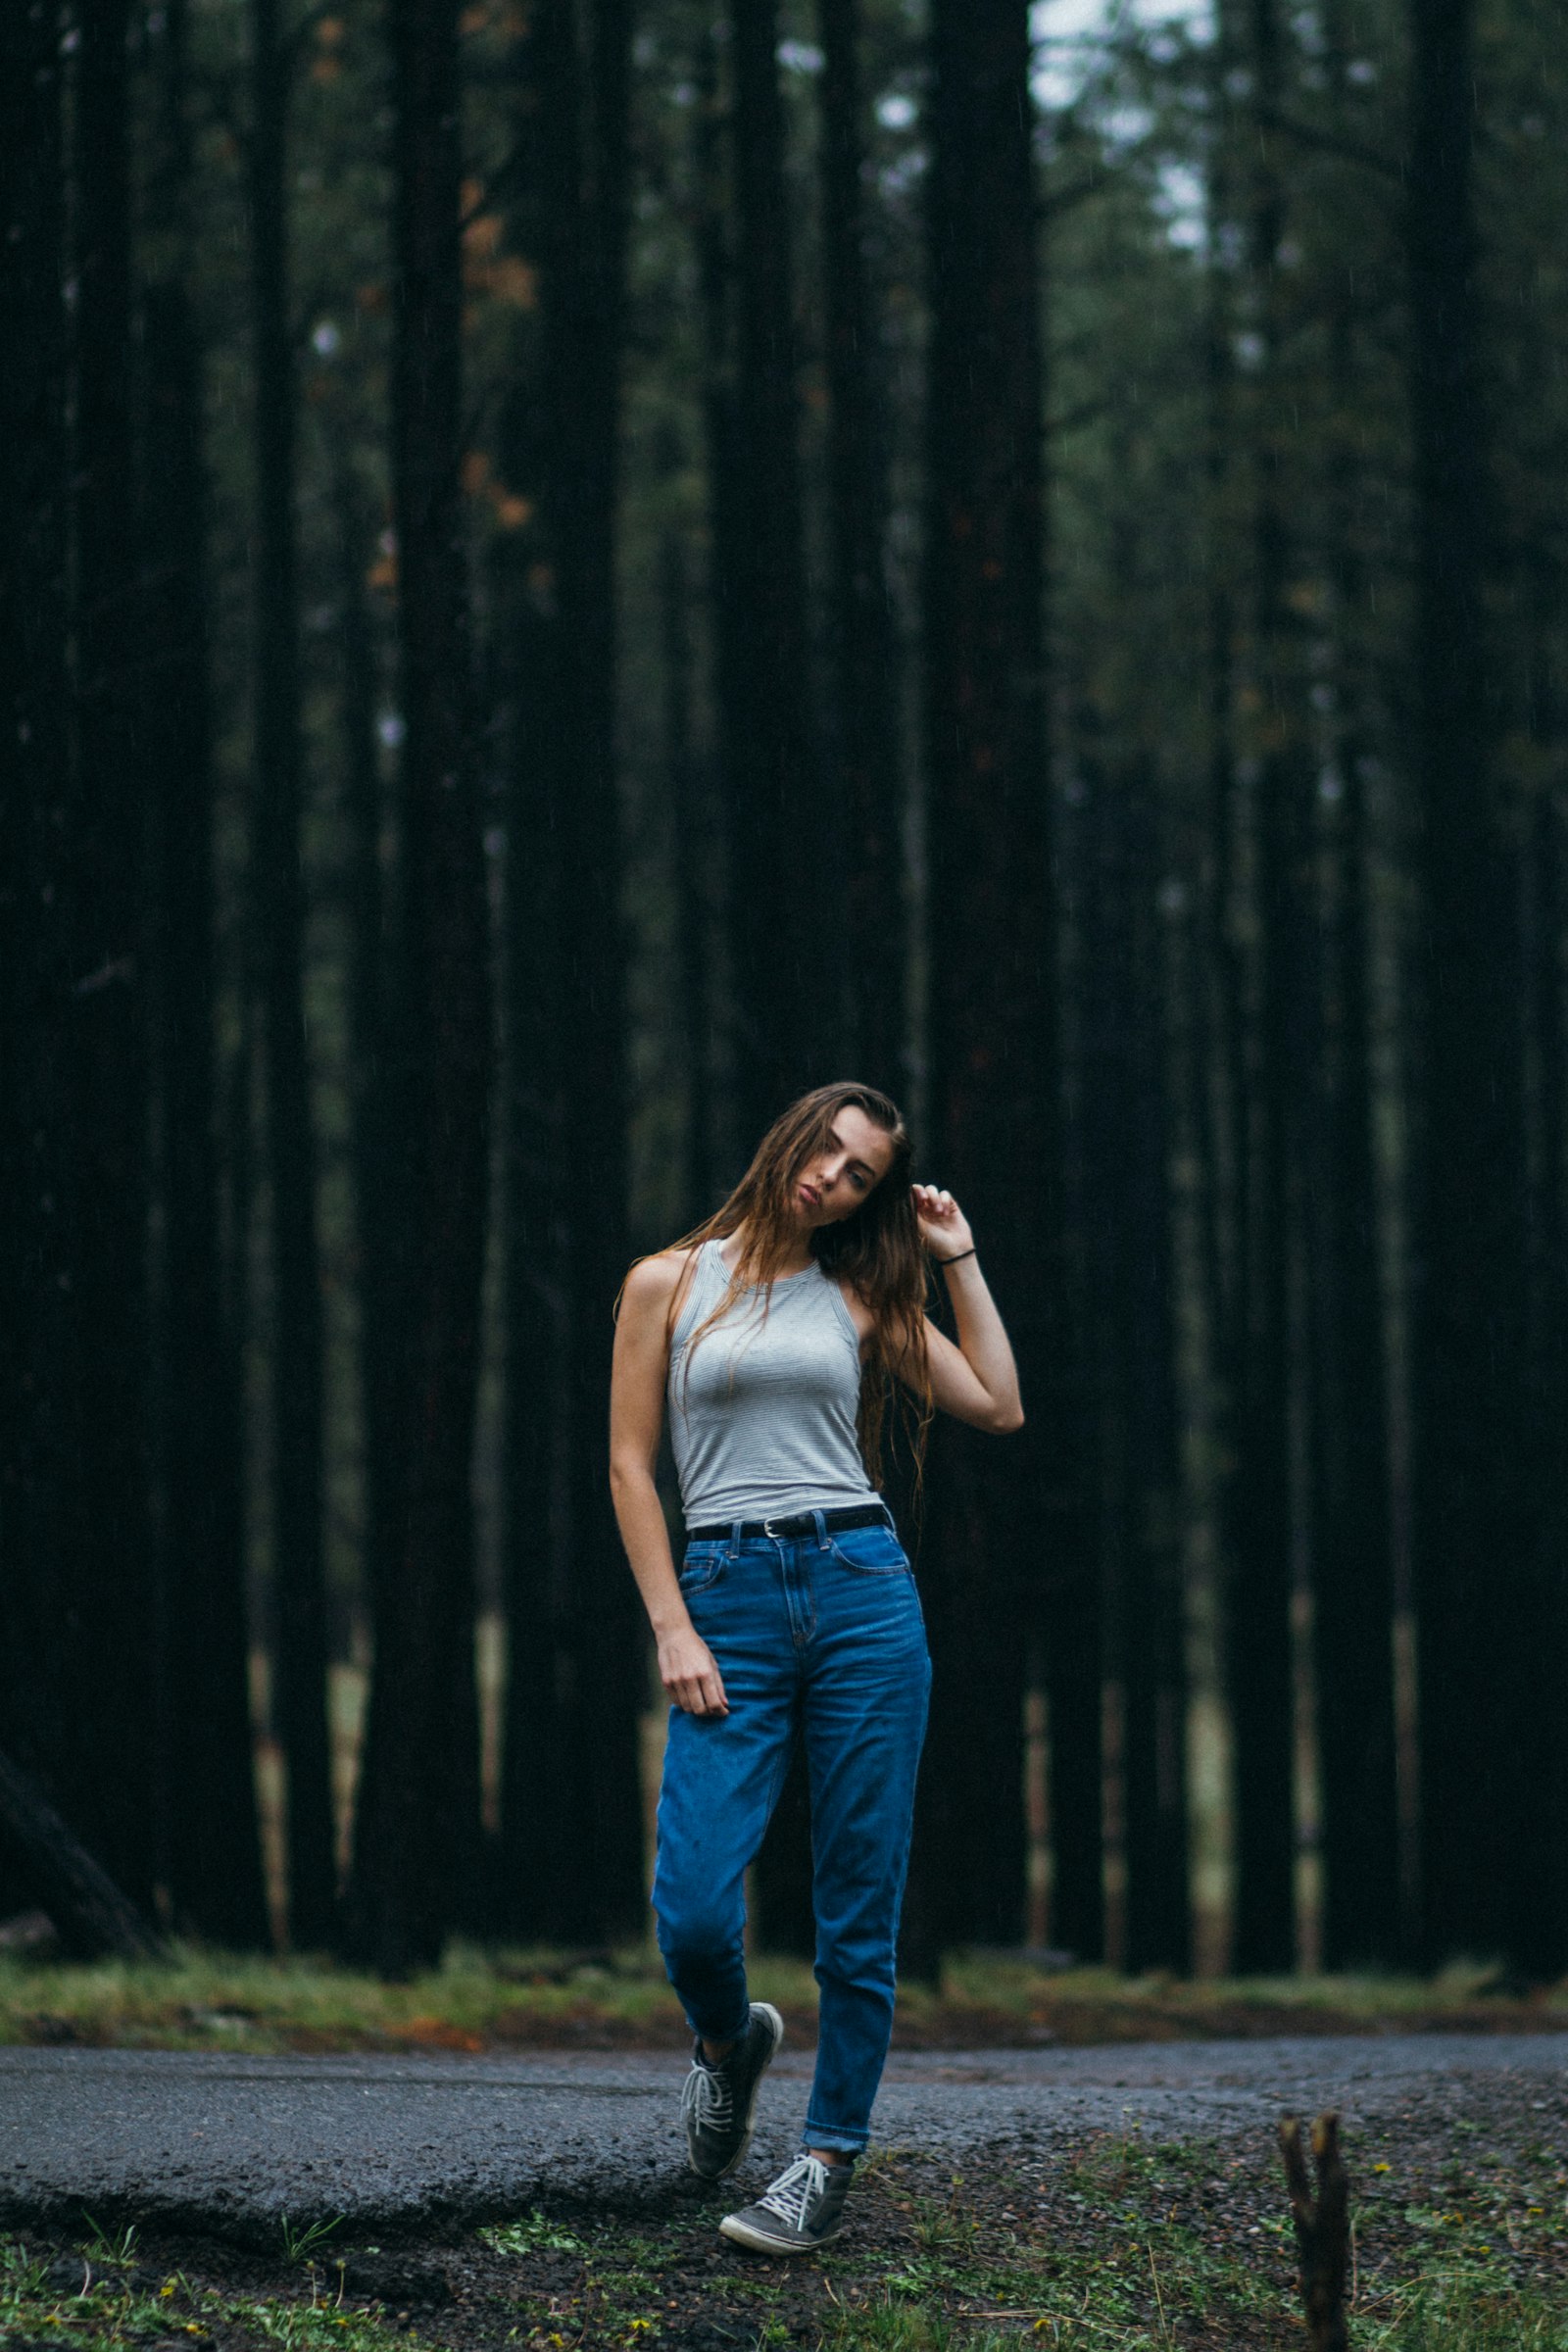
<point x="688" y="1673"/>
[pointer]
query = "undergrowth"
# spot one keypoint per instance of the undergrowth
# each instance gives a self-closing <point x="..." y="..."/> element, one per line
<point x="490" y="1999"/>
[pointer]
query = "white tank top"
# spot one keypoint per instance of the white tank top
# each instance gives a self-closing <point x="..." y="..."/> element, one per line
<point x="761" y="1412"/>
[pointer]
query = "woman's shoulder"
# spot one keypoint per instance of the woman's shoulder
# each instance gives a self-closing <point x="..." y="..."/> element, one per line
<point x="654" y="1279"/>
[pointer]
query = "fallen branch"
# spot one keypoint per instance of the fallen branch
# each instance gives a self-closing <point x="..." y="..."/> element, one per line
<point x="1322" y="2228"/>
<point x="92" y="1918"/>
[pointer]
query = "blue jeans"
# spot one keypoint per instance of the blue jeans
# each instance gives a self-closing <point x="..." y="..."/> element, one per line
<point x="824" y="1629"/>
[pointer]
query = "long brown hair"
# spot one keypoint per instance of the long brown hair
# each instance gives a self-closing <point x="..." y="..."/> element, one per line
<point x="877" y="1249"/>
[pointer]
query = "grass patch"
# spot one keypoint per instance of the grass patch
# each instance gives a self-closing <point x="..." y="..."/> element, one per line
<point x="483" y="2000"/>
<point x="1463" y="2314"/>
<point x="1113" y="2245"/>
<point x="98" y="2295"/>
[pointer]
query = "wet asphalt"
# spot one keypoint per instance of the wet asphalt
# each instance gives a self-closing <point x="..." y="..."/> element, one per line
<point x="232" y="2144"/>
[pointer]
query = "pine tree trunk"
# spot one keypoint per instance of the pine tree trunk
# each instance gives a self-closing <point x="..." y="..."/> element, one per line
<point x="536" y="1860"/>
<point x="537" y="1863"/>
<point x="869" y="733"/>
<point x="1476" y="1512"/>
<point x="1353" y="1565"/>
<point x="1082" y="1656"/>
<point x="1547" y="1925"/>
<point x="1260" y="1529"/>
<point x="583" y="360"/>
<point x="1157" y="1924"/>
<point x="213" y="1860"/>
<point x="368" y="1007"/>
<point x="688" y="782"/>
<point x="107" y="1597"/>
<point x="737" y="1137"/>
<point x="782" y="849"/>
<point x="418" y="1829"/>
<point x="993" y="1087"/>
<point x="299" y="1590"/>
<point x="40" y="1461"/>
<point x="573" y="1838"/>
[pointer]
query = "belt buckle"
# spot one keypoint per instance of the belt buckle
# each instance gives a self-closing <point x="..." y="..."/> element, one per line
<point x="771" y="1529"/>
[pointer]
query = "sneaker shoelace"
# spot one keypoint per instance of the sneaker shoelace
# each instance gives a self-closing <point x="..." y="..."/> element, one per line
<point x="708" y="2099"/>
<point x="793" y="2191"/>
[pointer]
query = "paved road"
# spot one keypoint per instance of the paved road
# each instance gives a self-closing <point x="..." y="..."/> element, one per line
<point x="233" y="2144"/>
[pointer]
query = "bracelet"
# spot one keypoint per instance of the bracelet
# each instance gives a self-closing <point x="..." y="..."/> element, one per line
<point x="958" y="1260"/>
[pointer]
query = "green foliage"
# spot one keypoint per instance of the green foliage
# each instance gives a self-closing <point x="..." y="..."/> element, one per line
<point x="112" y="2248"/>
<point x="533" y="2234"/>
<point x="301" y="2241"/>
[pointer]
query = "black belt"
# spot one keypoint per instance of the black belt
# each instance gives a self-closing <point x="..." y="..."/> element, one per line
<point x="800" y="1523"/>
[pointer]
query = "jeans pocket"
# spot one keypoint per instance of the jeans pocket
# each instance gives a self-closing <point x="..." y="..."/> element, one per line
<point x="869" y="1550"/>
<point x="701" y="1566"/>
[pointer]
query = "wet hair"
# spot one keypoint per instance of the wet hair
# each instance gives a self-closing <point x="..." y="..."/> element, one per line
<point x="877" y="1249"/>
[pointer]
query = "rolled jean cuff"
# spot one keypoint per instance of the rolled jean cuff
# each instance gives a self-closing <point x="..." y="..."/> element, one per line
<point x="836" y="2137"/>
<point x="707" y="2033"/>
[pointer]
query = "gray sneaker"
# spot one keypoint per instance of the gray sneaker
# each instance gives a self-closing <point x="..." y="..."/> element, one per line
<point x="802" y="2211"/>
<point x="720" y="2100"/>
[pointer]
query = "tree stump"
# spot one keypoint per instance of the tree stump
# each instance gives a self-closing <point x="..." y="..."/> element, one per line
<point x="91" y="1916"/>
<point x="1322" y="2228"/>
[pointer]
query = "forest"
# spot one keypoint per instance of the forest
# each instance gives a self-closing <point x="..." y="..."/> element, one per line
<point x="1058" y="511"/>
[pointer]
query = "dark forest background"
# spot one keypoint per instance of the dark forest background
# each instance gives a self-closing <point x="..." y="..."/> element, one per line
<point x="570" y="567"/>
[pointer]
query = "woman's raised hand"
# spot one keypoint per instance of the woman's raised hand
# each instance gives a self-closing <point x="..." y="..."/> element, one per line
<point x="944" y="1227"/>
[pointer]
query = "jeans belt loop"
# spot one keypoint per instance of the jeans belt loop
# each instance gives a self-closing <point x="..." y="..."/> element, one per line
<point x="735" y="1537"/>
<point x="820" y="1521"/>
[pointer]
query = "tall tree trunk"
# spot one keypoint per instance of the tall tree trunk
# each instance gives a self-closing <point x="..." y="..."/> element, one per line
<point x="583" y="287"/>
<point x="689" y="782"/>
<point x="1352" y="1566"/>
<point x="781" y="850"/>
<point x="213" y="1860"/>
<point x="1220" y="1105"/>
<point x="417" y="1828"/>
<point x="1260" y="1503"/>
<point x="110" y="1604"/>
<point x="1088" y="1678"/>
<point x="1082" y="1655"/>
<point x="1485" y="1622"/>
<point x="537" y="1859"/>
<point x="1546" y="944"/>
<point x="299" y="1589"/>
<point x="1545" y="1927"/>
<point x="726" y="568"/>
<point x="994" y="1112"/>
<point x="368" y="1003"/>
<point x="574" y="1809"/>
<point x="1158" y="1931"/>
<point x="537" y="1856"/>
<point x="866" y="709"/>
<point x="40" y="1463"/>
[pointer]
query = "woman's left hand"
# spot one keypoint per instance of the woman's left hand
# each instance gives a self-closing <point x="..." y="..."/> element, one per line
<point x="944" y="1227"/>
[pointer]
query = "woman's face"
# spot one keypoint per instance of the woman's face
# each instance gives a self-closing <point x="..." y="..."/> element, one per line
<point x="838" y="1174"/>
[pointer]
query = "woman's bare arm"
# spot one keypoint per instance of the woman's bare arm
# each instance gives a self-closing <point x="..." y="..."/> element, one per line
<point x="686" y="1665"/>
<point x="976" y="1380"/>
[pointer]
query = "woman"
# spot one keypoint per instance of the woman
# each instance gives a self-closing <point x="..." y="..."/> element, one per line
<point x="775" y="1333"/>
